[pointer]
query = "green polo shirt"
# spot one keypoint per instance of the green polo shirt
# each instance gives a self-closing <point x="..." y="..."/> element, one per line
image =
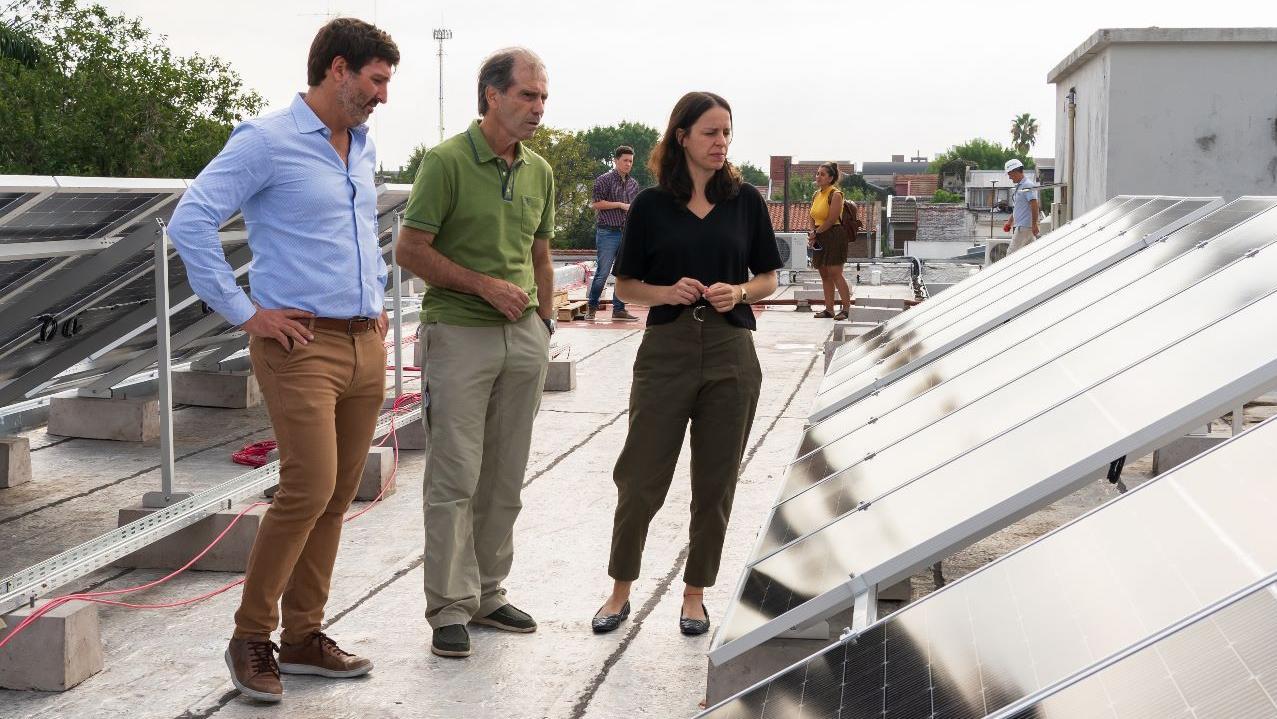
<point x="484" y="215"/>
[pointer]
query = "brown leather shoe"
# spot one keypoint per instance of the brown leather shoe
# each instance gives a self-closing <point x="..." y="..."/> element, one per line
<point x="321" y="656"/>
<point x="253" y="669"/>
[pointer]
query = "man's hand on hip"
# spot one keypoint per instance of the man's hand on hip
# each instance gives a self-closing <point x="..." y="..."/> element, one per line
<point x="280" y="325"/>
<point x="506" y="297"/>
<point x="383" y="324"/>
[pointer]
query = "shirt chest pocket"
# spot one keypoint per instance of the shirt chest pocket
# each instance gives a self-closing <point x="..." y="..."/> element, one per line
<point x="533" y="209"/>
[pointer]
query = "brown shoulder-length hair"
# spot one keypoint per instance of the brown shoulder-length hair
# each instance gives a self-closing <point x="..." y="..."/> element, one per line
<point x="669" y="163"/>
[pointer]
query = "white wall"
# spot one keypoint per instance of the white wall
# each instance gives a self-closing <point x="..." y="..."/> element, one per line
<point x="1174" y="118"/>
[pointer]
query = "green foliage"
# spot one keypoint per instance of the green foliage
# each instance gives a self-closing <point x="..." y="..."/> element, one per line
<point x="603" y="140"/>
<point x="1046" y="199"/>
<point x="106" y="97"/>
<point x="1024" y="132"/>
<point x="569" y="156"/>
<point x="17" y="44"/>
<point x="857" y="190"/>
<point x="409" y="171"/>
<point x="752" y="174"/>
<point x="943" y="195"/>
<point x="986" y="154"/>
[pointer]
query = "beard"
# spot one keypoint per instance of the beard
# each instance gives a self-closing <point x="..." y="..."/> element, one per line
<point x="354" y="103"/>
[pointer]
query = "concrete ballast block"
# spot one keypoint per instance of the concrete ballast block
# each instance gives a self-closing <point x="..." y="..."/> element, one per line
<point x="54" y="653"/>
<point x="379" y="469"/>
<point x="1182" y="450"/>
<point x="175" y="550"/>
<point x="15" y="461"/>
<point x="124" y="420"/>
<point x="232" y="390"/>
<point x="872" y="314"/>
<point x="560" y="375"/>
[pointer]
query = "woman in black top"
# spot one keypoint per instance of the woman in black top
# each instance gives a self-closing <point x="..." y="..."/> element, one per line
<point x="690" y="247"/>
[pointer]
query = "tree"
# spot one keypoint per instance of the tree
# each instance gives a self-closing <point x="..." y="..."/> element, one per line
<point x="603" y="140"/>
<point x="752" y="174"/>
<point x="855" y="188"/>
<point x="986" y="155"/>
<point x="569" y="157"/>
<point x="17" y="44"/>
<point x="409" y="171"/>
<point x="106" y="97"/>
<point x="943" y="195"/>
<point x="1024" y="132"/>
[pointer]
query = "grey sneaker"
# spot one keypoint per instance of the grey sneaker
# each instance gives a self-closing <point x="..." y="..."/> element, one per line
<point x="451" y="640"/>
<point x="508" y="618"/>
<point x="589" y="312"/>
<point x="623" y="316"/>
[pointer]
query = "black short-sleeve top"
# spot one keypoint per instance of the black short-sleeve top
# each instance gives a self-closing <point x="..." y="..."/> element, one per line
<point x="665" y="242"/>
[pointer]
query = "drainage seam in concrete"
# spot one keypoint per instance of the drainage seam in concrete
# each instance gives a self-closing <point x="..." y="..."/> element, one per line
<point x="587" y="696"/>
<point x="135" y="475"/>
<point x="555" y="462"/>
<point x="627" y="336"/>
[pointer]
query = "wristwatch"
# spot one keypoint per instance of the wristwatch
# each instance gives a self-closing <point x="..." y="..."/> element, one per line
<point x="744" y="294"/>
<point x="550" y="324"/>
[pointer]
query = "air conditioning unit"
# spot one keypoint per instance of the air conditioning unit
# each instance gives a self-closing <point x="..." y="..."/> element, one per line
<point x="996" y="248"/>
<point x="793" y="250"/>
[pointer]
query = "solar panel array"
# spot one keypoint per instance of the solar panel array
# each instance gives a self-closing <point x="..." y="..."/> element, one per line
<point x="76" y="288"/>
<point x="1153" y="605"/>
<point x="1016" y="417"/>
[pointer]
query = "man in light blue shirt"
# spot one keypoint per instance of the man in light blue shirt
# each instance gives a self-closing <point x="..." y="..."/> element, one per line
<point x="303" y="179"/>
<point x="1024" y="207"/>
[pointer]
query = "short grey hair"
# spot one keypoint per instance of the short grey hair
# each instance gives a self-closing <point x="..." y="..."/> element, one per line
<point x="497" y="72"/>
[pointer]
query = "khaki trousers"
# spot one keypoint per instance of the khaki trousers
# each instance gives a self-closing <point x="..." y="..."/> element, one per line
<point x="1021" y="237"/>
<point x="485" y="386"/>
<point x="706" y="372"/>
<point x="323" y="399"/>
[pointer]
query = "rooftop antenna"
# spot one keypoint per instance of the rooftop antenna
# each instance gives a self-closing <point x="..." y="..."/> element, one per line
<point x="441" y="34"/>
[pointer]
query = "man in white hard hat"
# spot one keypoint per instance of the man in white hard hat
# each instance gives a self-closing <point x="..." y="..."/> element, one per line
<point x="1023" y="224"/>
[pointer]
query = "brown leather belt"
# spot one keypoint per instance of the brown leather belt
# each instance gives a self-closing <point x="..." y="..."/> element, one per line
<point x="351" y="326"/>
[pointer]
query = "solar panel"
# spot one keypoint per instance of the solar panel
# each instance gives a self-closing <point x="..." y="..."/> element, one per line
<point x="1012" y="349"/>
<point x="1028" y="628"/>
<point x="1049" y="243"/>
<point x="998" y="301"/>
<point x="999" y="457"/>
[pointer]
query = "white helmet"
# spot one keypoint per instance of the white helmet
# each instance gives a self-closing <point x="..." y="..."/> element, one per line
<point x="1013" y="164"/>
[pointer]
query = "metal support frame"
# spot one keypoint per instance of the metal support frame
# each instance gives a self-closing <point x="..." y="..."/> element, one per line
<point x="104" y="387"/>
<point x="396" y="283"/>
<point x="235" y="343"/>
<point x="29" y="584"/>
<point x="164" y="379"/>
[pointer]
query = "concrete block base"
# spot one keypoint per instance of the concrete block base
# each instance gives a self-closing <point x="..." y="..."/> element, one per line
<point x="410" y="436"/>
<point x="860" y="313"/>
<point x="15" y="461"/>
<point x="560" y="376"/>
<point x="232" y="390"/>
<point x="1182" y="450"/>
<point x="378" y="471"/>
<point x="124" y="420"/>
<point x="54" y="653"/>
<point x="230" y="554"/>
<point x="894" y="303"/>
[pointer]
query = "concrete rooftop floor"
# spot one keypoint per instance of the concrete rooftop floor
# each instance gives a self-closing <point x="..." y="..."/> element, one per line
<point x="168" y="663"/>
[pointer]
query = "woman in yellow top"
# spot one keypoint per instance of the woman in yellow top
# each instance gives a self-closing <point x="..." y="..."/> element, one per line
<point x="829" y="240"/>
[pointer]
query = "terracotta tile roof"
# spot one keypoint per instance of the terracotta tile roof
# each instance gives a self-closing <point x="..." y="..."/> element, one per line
<point x="800" y="215"/>
<point x="917" y="185"/>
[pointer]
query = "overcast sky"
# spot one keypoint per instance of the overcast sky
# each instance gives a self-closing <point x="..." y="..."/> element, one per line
<point x="816" y="80"/>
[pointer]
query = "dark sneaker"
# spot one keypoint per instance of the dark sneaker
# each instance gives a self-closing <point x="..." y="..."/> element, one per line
<point x="253" y="669"/>
<point x="321" y="657"/>
<point x="509" y="619"/>
<point x="623" y="316"/>
<point x="694" y="627"/>
<point x="604" y="623"/>
<point x="451" y="640"/>
<point x="590" y="311"/>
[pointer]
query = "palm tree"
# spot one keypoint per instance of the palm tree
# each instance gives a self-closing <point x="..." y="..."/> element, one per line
<point x="18" y="45"/>
<point x="1024" y="132"/>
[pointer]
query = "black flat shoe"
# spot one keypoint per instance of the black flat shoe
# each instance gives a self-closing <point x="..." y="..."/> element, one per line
<point x="694" y="627"/>
<point x="609" y="622"/>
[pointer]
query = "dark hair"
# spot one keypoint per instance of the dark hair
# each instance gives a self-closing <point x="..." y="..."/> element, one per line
<point x="622" y="150"/>
<point x="353" y="39"/>
<point x="497" y="71"/>
<point x="832" y="169"/>
<point x="669" y="163"/>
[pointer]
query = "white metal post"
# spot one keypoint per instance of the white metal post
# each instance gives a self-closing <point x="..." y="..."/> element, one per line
<point x="396" y="281"/>
<point x="164" y="377"/>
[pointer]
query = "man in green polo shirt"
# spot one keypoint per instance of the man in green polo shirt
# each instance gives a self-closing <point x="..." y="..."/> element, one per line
<point x="477" y="229"/>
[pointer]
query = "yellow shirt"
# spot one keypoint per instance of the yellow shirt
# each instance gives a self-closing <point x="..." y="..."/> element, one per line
<point x="820" y="206"/>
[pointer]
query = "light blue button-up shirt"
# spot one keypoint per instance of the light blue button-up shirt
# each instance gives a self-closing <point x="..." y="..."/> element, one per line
<point x="1025" y="191"/>
<point x="311" y="220"/>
